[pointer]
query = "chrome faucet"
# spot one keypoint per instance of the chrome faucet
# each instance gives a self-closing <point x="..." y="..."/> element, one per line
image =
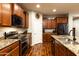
<point x="73" y="34"/>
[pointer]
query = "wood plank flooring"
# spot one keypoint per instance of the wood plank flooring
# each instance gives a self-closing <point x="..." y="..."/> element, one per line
<point x="41" y="49"/>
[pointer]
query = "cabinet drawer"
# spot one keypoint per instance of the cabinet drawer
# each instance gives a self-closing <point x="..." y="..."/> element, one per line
<point x="10" y="47"/>
<point x="5" y="50"/>
<point x="3" y="54"/>
<point x="14" y="52"/>
<point x="14" y="45"/>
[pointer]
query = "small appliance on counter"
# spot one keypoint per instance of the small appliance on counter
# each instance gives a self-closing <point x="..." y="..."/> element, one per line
<point x="11" y="35"/>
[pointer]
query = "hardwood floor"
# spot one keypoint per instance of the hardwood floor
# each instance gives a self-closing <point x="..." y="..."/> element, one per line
<point x="41" y="49"/>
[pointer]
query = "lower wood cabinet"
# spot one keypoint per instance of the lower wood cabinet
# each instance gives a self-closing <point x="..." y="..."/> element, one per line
<point x="59" y="50"/>
<point x="14" y="52"/>
<point x="11" y="50"/>
<point x="47" y="37"/>
<point x="69" y="53"/>
<point x="53" y="46"/>
<point x="6" y="15"/>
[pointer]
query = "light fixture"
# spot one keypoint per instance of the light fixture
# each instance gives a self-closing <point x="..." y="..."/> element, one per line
<point x="38" y="6"/>
<point x="54" y="10"/>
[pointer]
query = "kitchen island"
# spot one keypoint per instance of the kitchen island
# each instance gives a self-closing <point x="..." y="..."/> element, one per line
<point x="62" y="46"/>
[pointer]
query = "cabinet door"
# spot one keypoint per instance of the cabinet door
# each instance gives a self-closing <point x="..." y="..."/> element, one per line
<point x="61" y="19"/>
<point x="45" y="23"/>
<point x="14" y="52"/>
<point x="47" y="37"/>
<point x="23" y="18"/>
<point x="53" y="23"/>
<point x="60" y="50"/>
<point x="10" y="47"/>
<point x="53" y="46"/>
<point x="6" y="14"/>
<point x="49" y="24"/>
<point x="57" y="49"/>
<point x="20" y="12"/>
<point x="69" y="53"/>
<point x="16" y="10"/>
<point x="27" y="20"/>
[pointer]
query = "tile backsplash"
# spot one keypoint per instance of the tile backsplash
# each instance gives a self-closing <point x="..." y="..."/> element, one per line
<point x="8" y="29"/>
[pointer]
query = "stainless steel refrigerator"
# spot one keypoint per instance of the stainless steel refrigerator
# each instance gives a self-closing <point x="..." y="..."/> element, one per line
<point x="62" y="29"/>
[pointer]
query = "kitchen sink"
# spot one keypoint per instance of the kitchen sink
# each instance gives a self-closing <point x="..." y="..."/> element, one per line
<point x="71" y="42"/>
<point x="67" y="40"/>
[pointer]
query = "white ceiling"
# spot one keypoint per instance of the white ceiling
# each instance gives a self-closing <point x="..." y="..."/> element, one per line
<point x="46" y="8"/>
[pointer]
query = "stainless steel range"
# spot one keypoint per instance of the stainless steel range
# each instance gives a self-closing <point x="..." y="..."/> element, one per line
<point x="23" y="40"/>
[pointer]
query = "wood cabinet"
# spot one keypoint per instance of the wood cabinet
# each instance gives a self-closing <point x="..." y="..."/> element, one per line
<point x="53" y="24"/>
<point x="53" y="46"/>
<point x="20" y="12"/>
<point x="17" y="10"/>
<point x="49" y="24"/>
<point x="47" y="37"/>
<point x="45" y="23"/>
<point x="6" y="15"/>
<point x="59" y="50"/>
<point x="27" y="20"/>
<point x="69" y="53"/>
<point x="62" y="20"/>
<point x="0" y="13"/>
<point x="14" y="52"/>
<point x="6" y="10"/>
<point x="11" y="50"/>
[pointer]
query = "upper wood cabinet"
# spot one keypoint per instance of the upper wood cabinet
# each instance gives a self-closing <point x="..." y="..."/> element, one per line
<point x="45" y="23"/>
<point x="49" y="24"/>
<point x="6" y="12"/>
<point x="27" y="20"/>
<point x="20" y="12"/>
<point x="17" y="10"/>
<point x="6" y="15"/>
<point x="62" y="19"/>
<point x="53" y="23"/>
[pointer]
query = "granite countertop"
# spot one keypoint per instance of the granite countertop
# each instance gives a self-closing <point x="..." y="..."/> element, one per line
<point x="72" y="47"/>
<point x="5" y="42"/>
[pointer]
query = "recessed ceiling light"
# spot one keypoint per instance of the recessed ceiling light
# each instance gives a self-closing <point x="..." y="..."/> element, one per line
<point x="38" y="6"/>
<point x="54" y="10"/>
